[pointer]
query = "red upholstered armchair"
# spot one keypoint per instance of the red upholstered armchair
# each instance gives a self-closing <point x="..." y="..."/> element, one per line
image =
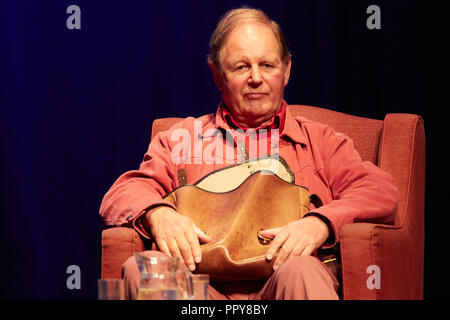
<point x="397" y="145"/>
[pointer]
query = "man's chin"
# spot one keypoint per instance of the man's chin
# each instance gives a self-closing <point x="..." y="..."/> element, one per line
<point x="259" y="108"/>
<point x="262" y="111"/>
<point x="256" y="120"/>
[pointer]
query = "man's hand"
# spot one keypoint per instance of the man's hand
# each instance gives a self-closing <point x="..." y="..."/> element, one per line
<point x="298" y="238"/>
<point x="176" y="235"/>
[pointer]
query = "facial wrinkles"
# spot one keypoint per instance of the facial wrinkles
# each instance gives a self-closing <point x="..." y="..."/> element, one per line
<point x="252" y="65"/>
<point x="256" y="59"/>
<point x="246" y="48"/>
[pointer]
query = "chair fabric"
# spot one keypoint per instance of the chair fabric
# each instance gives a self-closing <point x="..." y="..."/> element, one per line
<point x="393" y="255"/>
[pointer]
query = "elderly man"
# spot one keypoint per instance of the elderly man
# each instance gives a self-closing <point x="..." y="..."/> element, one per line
<point x="250" y="65"/>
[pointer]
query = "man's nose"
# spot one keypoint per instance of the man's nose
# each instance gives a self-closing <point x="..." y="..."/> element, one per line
<point x="255" y="77"/>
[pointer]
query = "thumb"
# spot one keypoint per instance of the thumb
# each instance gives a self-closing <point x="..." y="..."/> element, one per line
<point x="202" y="236"/>
<point x="270" y="233"/>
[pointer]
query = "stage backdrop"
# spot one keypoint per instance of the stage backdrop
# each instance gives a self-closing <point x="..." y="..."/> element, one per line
<point x="79" y="90"/>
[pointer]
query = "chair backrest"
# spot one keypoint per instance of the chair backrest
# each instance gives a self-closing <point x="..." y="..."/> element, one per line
<point x="364" y="132"/>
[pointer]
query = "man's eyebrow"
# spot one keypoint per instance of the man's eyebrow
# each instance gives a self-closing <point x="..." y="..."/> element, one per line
<point x="239" y="59"/>
<point x="273" y="59"/>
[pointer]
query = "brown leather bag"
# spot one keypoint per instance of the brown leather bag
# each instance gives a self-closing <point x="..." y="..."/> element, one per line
<point x="233" y="220"/>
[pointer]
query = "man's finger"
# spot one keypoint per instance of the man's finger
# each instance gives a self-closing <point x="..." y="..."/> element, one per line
<point x="186" y="251"/>
<point x="299" y="249"/>
<point x="202" y="236"/>
<point x="173" y="248"/>
<point x="284" y="253"/>
<point x="308" y="251"/>
<point x="193" y="241"/>
<point x="162" y="246"/>
<point x="270" y="233"/>
<point x="276" y="244"/>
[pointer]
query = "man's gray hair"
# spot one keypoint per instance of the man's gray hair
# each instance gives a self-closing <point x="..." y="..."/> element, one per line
<point x="234" y="18"/>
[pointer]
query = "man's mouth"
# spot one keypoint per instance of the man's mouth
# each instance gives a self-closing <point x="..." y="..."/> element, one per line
<point x="255" y="95"/>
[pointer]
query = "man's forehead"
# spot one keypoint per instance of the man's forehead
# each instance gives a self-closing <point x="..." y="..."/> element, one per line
<point x="234" y="54"/>
<point x="251" y="41"/>
<point x="249" y="32"/>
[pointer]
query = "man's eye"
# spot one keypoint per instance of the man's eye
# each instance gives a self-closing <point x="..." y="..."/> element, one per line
<point x="240" y="68"/>
<point x="269" y="66"/>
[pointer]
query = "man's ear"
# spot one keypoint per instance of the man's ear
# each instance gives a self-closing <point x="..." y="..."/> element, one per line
<point x="287" y="72"/>
<point x="216" y="75"/>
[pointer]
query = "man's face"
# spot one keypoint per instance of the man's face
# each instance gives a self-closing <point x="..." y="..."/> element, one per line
<point x="253" y="75"/>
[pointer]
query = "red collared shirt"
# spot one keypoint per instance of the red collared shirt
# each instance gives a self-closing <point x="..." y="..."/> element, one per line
<point x="321" y="159"/>
<point x="276" y="122"/>
<point x="256" y="136"/>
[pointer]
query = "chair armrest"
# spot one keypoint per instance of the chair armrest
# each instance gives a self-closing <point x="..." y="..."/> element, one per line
<point x="118" y="244"/>
<point x="388" y="247"/>
<point x="398" y="250"/>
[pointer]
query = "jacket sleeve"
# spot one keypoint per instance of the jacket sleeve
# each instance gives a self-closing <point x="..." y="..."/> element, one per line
<point x="136" y="191"/>
<point x="361" y="191"/>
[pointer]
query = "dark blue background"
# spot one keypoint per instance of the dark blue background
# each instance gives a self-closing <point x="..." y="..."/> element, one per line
<point x="76" y="108"/>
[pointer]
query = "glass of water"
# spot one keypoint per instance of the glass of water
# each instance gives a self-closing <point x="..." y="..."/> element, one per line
<point x="111" y="289"/>
<point x="163" y="278"/>
<point x="200" y="283"/>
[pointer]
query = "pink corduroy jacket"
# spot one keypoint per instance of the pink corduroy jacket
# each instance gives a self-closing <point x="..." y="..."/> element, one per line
<point x="321" y="159"/>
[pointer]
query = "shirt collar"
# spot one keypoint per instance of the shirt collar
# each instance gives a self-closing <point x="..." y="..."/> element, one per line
<point x="288" y="125"/>
<point x="293" y="130"/>
<point x="276" y="122"/>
